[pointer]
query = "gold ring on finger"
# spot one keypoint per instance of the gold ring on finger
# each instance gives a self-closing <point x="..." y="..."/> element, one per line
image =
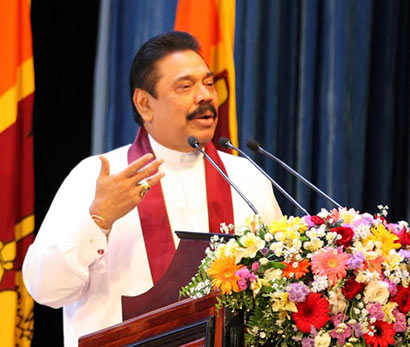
<point x="145" y="187"/>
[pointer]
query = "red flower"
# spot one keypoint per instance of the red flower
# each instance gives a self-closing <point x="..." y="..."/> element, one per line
<point x="403" y="299"/>
<point x="383" y="335"/>
<point x="347" y="235"/>
<point x="317" y="220"/>
<point x="314" y="311"/>
<point x="351" y="288"/>
<point x="404" y="237"/>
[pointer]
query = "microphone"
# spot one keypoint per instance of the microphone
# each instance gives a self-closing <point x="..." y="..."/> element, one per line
<point x="224" y="142"/>
<point x="194" y="143"/>
<point x="256" y="147"/>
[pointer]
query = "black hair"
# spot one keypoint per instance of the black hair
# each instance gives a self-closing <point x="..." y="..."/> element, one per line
<point x="143" y="72"/>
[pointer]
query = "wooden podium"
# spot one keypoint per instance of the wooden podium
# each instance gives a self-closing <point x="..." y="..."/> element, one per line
<point x="158" y="318"/>
<point x="185" y="323"/>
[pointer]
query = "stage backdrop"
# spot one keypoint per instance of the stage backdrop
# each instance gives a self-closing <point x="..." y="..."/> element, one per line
<point x="322" y="84"/>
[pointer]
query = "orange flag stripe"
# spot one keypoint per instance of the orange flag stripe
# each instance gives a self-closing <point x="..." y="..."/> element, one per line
<point x="192" y="14"/>
<point x="15" y="40"/>
<point x="212" y="22"/>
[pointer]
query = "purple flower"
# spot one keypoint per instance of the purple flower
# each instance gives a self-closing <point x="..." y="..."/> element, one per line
<point x="342" y="336"/>
<point x="375" y="311"/>
<point x="338" y="318"/>
<point x="264" y="251"/>
<point x="357" y="329"/>
<point x="255" y="266"/>
<point x="308" y="221"/>
<point x="243" y="273"/>
<point x="242" y="284"/>
<point x="245" y="277"/>
<point x="313" y="331"/>
<point x="367" y="219"/>
<point x="405" y="253"/>
<point x="308" y="342"/>
<point x="355" y="261"/>
<point x="298" y="292"/>
<point x="392" y="287"/>
<point x="400" y="324"/>
<point x="252" y="278"/>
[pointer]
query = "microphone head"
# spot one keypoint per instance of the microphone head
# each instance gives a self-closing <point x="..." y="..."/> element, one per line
<point x="193" y="141"/>
<point x="253" y="145"/>
<point x="224" y="142"/>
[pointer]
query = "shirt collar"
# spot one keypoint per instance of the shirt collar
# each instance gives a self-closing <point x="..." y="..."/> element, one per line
<point x="173" y="157"/>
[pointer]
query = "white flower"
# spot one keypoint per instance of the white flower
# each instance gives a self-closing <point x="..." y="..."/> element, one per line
<point x="264" y="261"/>
<point x="279" y="236"/>
<point x="321" y="231"/>
<point x="323" y="213"/>
<point x="403" y="224"/>
<point x="377" y="291"/>
<point x="322" y="340"/>
<point x="331" y="236"/>
<point x="268" y="237"/>
<point x="312" y="234"/>
<point x="277" y="248"/>
<point x="297" y="244"/>
<point x="320" y="283"/>
<point x="337" y="301"/>
<point x="225" y="229"/>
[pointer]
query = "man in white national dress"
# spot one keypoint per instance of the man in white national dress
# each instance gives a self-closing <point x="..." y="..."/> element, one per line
<point x="105" y="235"/>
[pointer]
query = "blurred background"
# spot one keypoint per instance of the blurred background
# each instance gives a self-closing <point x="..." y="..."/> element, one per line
<point x="323" y="84"/>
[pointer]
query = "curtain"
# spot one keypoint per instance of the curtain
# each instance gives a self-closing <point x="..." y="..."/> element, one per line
<point x="324" y="85"/>
<point x="124" y="26"/>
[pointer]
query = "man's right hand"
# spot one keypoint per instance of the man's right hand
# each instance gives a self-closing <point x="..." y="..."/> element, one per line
<point x="118" y="194"/>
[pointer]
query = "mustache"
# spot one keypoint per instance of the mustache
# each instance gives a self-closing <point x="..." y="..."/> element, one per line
<point x="202" y="109"/>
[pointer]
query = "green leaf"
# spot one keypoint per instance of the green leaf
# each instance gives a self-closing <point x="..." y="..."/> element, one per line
<point x="276" y="265"/>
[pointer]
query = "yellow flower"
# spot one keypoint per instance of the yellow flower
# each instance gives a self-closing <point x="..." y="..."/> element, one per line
<point x="223" y="273"/>
<point x="252" y="223"/>
<point x="361" y="277"/>
<point x="313" y="245"/>
<point x="388" y="311"/>
<point x="257" y="285"/>
<point x="366" y="249"/>
<point x="281" y="302"/>
<point x="221" y="251"/>
<point x="377" y="291"/>
<point x="348" y="216"/>
<point x="252" y="245"/>
<point x="272" y="274"/>
<point x="289" y="227"/>
<point x="383" y="239"/>
<point x="231" y="249"/>
<point x="393" y="260"/>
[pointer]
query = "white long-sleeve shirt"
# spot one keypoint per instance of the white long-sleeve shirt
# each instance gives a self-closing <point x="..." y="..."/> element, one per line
<point x="73" y="265"/>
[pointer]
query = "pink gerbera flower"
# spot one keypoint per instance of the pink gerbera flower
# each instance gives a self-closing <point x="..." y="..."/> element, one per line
<point x="331" y="263"/>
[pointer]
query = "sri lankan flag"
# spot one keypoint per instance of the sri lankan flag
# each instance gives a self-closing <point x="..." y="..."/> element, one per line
<point x="16" y="170"/>
<point x="212" y="22"/>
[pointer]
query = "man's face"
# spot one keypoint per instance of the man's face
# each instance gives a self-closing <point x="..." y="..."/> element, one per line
<point x="186" y="103"/>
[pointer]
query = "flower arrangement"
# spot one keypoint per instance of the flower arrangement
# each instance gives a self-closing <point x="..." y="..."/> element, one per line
<point x="339" y="278"/>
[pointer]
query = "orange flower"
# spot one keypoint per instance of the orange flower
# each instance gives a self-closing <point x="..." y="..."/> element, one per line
<point x="223" y="273"/>
<point x="299" y="271"/>
<point x="375" y="265"/>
